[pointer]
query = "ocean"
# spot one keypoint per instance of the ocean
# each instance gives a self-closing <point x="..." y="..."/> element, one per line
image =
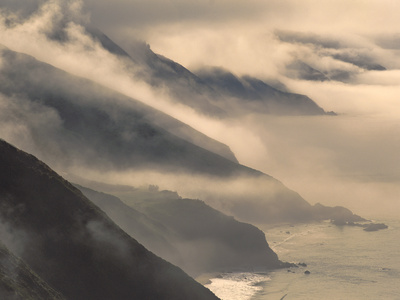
<point x="344" y="263"/>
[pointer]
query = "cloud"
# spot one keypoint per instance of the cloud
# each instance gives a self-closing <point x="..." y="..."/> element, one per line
<point x="347" y="160"/>
<point x="20" y="8"/>
<point x="58" y="27"/>
<point x="103" y="237"/>
<point x="138" y="15"/>
<point x="13" y="238"/>
<point x="26" y="125"/>
<point x="308" y="38"/>
<point x="245" y="44"/>
<point x="326" y="160"/>
<point x="388" y="41"/>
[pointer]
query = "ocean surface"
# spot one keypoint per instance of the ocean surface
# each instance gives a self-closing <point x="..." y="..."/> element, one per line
<point x="344" y="263"/>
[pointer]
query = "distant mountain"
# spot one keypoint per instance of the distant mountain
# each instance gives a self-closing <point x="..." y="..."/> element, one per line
<point x="212" y="91"/>
<point x="151" y="233"/>
<point x="362" y="61"/>
<point x="333" y="49"/>
<point x="247" y="94"/>
<point x="72" y="245"/>
<point x="19" y="282"/>
<point x="161" y="72"/>
<point x="187" y="232"/>
<point x="100" y="126"/>
<point x="72" y="122"/>
<point x="300" y="70"/>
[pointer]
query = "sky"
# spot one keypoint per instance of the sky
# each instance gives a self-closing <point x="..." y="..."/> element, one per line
<point x="240" y="33"/>
<point x="350" y="160"/>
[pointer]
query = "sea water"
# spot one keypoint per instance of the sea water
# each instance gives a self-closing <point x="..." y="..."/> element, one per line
<point x="344" y="262"/>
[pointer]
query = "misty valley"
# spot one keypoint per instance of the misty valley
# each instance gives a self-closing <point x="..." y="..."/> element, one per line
<point x="126" y="175"/>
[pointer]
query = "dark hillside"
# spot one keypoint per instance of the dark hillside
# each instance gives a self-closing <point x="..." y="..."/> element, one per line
<point x="208" y="239"/>
<point x="93" y="118"/>
<point x="72" y="245"/>
<point x="149" y="232"/>
<point x="204" y="239"/>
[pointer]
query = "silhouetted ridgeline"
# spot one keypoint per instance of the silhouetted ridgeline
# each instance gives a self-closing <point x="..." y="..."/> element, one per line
<point x="72" y="245"/>
<point x="89" y="115"/>
<point x="212" y="91"/>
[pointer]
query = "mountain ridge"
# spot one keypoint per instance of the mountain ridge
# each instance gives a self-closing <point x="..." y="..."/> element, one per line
<point x="207" y="89"/>
<point x="220" y="244"/>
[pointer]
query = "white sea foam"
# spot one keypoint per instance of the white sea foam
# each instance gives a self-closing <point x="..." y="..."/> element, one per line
<point x="237" y="286"/>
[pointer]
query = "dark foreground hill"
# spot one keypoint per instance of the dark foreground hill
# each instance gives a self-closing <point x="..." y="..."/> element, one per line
<point x="72" y="245"/>
<point x="187" y="232"/>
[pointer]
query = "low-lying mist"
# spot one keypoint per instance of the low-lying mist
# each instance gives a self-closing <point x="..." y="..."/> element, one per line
<point x="343" y="160"/>
<point x="349" y="159"/>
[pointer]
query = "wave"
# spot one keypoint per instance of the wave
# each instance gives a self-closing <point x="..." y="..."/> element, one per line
<point x="237" y="286"/>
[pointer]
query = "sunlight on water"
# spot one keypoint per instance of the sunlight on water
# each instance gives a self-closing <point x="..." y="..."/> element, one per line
<point x="237" y="286"/>
<point x="344" y="262"/>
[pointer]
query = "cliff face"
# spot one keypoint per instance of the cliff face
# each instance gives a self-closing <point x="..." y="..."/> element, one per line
<point x="151" y="233"/>
<point x="187" y="232"/>
<point x="208" y="239"/>
<point x="72" y="245"/>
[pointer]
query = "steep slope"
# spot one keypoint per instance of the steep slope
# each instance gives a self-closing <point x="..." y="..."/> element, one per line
<point x="19" y="282"/>
<point x="161" y="72"/>
<point x="204" y="239"/>
<point x="149" y="232"/>
<point x="71" y="244"/>
<point x="208" y="239"/>
<point x="90" y="118"/>
<point x="212" y="91"/>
